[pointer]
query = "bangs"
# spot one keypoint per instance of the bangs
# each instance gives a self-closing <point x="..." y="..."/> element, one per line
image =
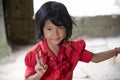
<point x="56" y="22"/>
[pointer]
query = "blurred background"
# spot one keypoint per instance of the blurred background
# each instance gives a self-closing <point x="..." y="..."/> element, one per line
<point x="97" y="22"/>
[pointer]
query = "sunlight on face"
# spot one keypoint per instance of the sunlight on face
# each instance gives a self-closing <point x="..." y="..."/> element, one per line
<point x="53" y="34"/>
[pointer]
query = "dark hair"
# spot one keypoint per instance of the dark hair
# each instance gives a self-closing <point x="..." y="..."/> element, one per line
<point x="55" y="12"/>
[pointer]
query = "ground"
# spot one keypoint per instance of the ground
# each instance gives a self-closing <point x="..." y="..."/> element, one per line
<point x="105" y="70"/>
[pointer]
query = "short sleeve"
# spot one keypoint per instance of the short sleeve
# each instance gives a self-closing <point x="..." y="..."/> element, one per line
<point x="86" y="56"/>
<point x="30" y="63"/>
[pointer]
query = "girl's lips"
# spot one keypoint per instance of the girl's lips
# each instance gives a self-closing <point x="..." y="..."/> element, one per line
<point x="55" y="39"/>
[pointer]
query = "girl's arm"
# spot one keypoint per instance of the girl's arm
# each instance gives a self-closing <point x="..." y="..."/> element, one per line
<point x="34" y="77"/>
<point x="101" y="56"/>
<point x="40" y="68"/>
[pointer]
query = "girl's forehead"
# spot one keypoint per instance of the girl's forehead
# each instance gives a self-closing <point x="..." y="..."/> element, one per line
<point x="54" y="23"/>
<point x="48" y="22"/>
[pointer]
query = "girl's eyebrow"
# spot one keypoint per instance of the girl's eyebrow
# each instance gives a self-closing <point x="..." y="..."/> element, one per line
<point x="47" y="26"/>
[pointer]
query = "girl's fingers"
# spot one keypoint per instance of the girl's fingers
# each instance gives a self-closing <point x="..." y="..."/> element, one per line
<point x="45" y="67"/>
<point x="41" y="60"/>
<point x="37" y="59"/>
<point x="40" y="66"/>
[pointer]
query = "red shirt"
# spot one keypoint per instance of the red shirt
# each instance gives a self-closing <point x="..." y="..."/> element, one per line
<point x="60" y="67"/>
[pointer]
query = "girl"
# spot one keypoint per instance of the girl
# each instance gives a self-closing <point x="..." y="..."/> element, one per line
<point x="55" y="56"/>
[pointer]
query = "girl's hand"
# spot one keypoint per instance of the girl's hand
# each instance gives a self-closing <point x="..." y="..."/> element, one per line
<point x="40" y="66"/>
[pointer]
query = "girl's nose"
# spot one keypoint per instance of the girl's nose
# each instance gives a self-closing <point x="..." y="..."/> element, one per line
<point x="55" y="32"/>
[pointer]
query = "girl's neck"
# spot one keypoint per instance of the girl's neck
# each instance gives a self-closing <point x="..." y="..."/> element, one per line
<point x="54" y="48"/>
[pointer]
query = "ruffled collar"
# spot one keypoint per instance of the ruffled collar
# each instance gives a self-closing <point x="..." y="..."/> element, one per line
<point x="59" y="63"/>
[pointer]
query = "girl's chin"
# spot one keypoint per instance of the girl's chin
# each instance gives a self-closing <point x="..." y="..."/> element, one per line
<point x="55" y="42"/>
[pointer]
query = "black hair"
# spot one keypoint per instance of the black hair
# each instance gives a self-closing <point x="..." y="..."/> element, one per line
<point x="57" y="13"/>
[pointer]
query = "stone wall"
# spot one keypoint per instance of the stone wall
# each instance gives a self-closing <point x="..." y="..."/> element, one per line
<point x="5" y="50"/>
<point x="97" y="26"/>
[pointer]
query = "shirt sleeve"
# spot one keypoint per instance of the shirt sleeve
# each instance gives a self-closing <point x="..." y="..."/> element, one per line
<point x="86" y="56"/>
<point x="30" y="63"/>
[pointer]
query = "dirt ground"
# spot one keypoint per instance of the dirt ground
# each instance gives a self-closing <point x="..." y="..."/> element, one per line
<point x="105" y="70"/>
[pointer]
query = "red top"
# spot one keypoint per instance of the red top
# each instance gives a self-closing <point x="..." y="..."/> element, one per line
<point x="60" y="67"/>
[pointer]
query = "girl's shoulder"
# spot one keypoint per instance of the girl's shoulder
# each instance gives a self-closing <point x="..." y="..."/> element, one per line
<point x="77" y="42"/>
<point x="35" y="47"/>
<point x="30" y="59"/>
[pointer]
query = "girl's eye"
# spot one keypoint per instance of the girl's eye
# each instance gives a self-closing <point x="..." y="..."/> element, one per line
<point x="61" y="27"/>
<point x="49" y="29"/>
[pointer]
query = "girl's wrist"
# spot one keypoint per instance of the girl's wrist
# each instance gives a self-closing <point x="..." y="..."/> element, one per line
<point x="38" y="75"/>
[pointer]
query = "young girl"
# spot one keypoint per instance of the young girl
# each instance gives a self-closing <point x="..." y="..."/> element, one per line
<point x="55" y="56"/>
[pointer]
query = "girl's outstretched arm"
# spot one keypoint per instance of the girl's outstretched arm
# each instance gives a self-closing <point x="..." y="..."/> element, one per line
<point x="101" y="56"/>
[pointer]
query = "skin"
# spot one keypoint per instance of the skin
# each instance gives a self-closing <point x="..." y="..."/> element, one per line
<point x="54" y="35"/>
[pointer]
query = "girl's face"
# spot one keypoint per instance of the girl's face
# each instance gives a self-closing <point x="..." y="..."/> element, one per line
<point x="53" y="34"/>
